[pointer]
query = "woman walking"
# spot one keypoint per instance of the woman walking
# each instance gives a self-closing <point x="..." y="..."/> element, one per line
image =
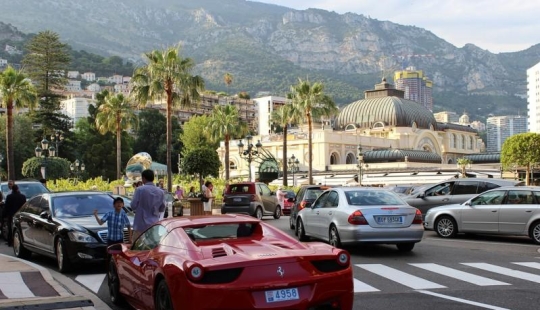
<point x="208" y="193"/>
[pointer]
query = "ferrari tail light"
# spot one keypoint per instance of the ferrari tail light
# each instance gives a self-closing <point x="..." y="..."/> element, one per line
<point x="357" y="218"/>
<point x="194" y="271"/>
<point x="343" y="258"/>
<point x="418" y="217"/>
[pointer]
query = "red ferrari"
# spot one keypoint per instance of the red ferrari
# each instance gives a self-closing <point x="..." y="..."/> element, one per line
<point x="227" y="262"/>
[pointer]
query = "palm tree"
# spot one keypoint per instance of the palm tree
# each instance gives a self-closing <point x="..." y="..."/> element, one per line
<point x="116" y="115"/>
<point x="16" y="90"/>
<point x="225" y="125"/>
<point x="310" y="100"/>
<point x="283" y="117"/>
<point x="167" y="74"/>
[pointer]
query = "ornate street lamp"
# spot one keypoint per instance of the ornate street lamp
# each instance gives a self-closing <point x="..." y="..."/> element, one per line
<point x="360" y="159"/>
<point x="251" y="152"/>
<point x="57" y="138"/>
<point x="77" y="168"/>
<point x="44" y="152"/>
<point x="293" y="167"/>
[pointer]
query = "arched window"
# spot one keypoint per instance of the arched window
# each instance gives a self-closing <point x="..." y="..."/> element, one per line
<point x="455" y="138"/>
<point x="334" y="159"/>
<point x="232" y="165"/>
<point x="351" y="159"/>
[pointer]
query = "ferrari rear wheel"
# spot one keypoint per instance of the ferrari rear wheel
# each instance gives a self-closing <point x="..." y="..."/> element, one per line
<point x="300" y="232"/>
<point x="163" y="297"/>
<point x="277" y="213"/>
<point x="114" y="285"/>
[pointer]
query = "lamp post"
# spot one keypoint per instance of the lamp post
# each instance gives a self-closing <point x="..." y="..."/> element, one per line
<point x="40" y="152"/>
<point x="57" y="138"/>
<point x="251" y="152"/>
<point x="293" y="167"/>
<point x="77" y="168"/>
<point x="360" y="164"/>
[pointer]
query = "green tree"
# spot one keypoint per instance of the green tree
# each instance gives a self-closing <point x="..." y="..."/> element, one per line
<point x="196" y="135"/>
<point x="285" y="116"/>
<point x="116" y="115"/>
<point x="57" y="168"/>
<point x="311" y="101"/>
<point x="168" y="75"/>
<point x="463" y="163"/>
<point x="225" y="125"/>
<point x="16" y="90"/>
<point x="228" y="79"/>
<point x="522" y="150"/>
<point x="201" y="161"/>
<point x="46" y="61"/>
<point x="23" y="144"/>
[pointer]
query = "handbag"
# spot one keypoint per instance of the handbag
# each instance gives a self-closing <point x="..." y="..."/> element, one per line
<point x="204" y="198"/>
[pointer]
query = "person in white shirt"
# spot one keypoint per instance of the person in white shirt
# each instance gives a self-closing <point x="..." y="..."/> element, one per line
<point x="281" y="194"/>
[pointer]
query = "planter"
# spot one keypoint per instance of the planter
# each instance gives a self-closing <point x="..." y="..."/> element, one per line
<point x="195" y="206"/>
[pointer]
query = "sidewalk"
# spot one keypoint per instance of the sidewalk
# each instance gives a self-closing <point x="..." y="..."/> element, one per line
<point x="25" y="285"/>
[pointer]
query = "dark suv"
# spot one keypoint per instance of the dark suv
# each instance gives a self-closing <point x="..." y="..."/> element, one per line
<point x="252" y="198"/>
<point x="304" y="198"/>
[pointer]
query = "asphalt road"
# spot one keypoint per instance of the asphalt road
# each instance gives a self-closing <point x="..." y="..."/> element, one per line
<point x="470" y="272"/>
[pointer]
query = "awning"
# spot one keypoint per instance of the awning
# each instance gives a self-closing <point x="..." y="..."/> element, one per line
<point x="406" y="178"/>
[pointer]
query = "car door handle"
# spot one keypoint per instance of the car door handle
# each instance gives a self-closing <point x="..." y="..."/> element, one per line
<point x="528" y="211"/>
<point x="330" y="213"/>
<point x="446" y="199"/>
<point x="317" y="213"/>
<point x="493" y="211"/>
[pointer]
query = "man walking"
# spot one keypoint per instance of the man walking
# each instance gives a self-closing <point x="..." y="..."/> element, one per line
<point x="148" y="202"/>
<point x="14" y="202"/>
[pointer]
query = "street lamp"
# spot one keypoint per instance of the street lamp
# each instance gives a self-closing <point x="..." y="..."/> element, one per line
<point x="293" y="167"/>
<point x="250" y="153"/>
<point x="77" y="168"/>
<point x="40" y="153"/>
<point x="57" y="138"/>
<point x="360" y="164"/>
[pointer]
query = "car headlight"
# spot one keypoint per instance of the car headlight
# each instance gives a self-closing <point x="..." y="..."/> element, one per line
<point x="77" y="236"/>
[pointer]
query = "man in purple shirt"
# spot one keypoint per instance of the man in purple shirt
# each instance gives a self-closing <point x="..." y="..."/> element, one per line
<point x="148" y="202"/>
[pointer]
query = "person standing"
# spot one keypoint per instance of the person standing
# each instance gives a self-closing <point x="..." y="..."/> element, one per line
<point x="147" y="203"/>
<point x="209" y="187"/>
<point x="14" y="202"/>
<point x="179" y="193"/>
<point x="10" y="186"/>
<point x="192" y="193"/>
<point x="116" y="221"/>
<point x="281" y="194"/>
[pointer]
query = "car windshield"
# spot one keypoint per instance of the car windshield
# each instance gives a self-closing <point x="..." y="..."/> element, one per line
<point x="220" y="231"/>
<point x="372" y="198"/>
<point x="27" y="189"/>
<point x="81" y="205"/>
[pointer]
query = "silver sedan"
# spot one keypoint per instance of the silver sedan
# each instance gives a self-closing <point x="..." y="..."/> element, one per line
<point x="345" y="216"/>
<point x="504" y="210"/>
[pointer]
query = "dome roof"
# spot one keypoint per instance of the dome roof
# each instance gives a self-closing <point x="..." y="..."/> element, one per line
<point x="392" y="111"/>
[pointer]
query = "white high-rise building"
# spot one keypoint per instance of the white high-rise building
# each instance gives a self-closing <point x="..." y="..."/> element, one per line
<point x="265" y="107"/>
<point x="500" y="128"/>
<point x="76" y="108"/>
<point x="533" y="98"/>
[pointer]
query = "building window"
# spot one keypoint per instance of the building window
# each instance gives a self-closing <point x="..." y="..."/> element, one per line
<point x="351" y="159"/>
<point x="334" y="159"/>
<point x="454" y="141"/>
<point x="232" y="165"/>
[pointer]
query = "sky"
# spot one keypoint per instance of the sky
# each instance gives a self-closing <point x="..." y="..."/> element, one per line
<point x="495" y="25"/>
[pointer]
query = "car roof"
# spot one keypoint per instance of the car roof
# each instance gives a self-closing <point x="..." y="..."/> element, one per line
<point x="175" y="222"/>
<point x="520" y="188"/>
<point x="73" y="193"/>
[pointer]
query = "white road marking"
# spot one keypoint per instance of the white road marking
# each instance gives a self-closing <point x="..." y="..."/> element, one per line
<point x="506" y="271"/>
<point x="361" y="287"/>
<point x="465" y="301"/>
<point x="91" y="281"/>
<point x="460" y="275"/>
<point x="530" y="265"/>
<point x="401" y="277"/>
<point x="12" y="286"/>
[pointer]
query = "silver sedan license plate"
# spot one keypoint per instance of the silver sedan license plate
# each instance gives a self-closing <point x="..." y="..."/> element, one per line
<point x="389" y="219"/>
<point x="282" y="295"/>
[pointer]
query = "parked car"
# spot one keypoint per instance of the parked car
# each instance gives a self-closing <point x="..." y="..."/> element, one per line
<point x="62" y="225"/>
<point x="504" y="210"/>
<point x="304" y="198"/>
<point x="454" y="191"/>
<point x="347" y="216"/>
<point x="227" y="262"/>
<point x="288" y="203"/>
<point x="251" y="198"/>
<point x="402" y="190"/>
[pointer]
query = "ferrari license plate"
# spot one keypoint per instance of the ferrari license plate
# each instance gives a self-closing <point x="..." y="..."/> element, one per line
<point x="282" y="295"/>
<point x="389" y="219"/>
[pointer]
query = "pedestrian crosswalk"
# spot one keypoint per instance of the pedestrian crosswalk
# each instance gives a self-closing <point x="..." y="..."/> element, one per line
<point x="370" y="278"/>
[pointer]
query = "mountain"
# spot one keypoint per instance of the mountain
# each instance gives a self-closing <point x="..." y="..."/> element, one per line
<point x="267" y="47"/>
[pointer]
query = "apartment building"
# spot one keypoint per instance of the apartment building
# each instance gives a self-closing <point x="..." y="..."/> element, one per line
<point x="533" y="98"/>
<point x="416" y="85"/>
<point x="500" y="128"/>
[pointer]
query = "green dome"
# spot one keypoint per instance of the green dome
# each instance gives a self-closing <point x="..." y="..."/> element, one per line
<point x="391" y="111"/>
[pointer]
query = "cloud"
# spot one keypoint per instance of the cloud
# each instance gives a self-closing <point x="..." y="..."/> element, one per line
<point x="497" y="25"/>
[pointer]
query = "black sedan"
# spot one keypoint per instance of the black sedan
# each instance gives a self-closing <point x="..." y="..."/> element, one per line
<point x="62" y="225"/>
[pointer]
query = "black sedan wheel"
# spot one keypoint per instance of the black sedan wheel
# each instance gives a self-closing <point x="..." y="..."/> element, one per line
<point x="446" y="227"/>
<point x="277" y="213"/>
<point x="114" y="285"/>
<point x="333" y="237"/>
<point x="64" y="265"/>
<point x="163" y="297"/>
<point x="18" y="248"/>
<point x="300" y="232"/>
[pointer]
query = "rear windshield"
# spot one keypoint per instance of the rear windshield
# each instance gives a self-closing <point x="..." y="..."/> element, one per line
<point x="221" y="231"/>
<point x="313" y="193"/>
<point x="372" y="198"/>
<point x="27" y="189"/>
<point x="239" y="188"/>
